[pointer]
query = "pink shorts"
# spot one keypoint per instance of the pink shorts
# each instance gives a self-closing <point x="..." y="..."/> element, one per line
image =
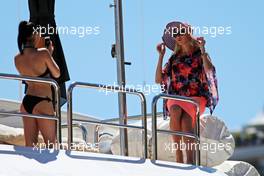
<point x="189" y="108"/>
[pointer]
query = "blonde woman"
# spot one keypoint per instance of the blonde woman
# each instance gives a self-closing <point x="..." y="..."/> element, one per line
<point x="188" y="72"/>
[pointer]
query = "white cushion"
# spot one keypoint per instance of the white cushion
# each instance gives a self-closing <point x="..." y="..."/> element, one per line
<point x="217" y="143"/>
<point x="237" y="168"/>
<point x="15" y="136"/>
<point x="213" y="133"/>
<point x="12" y="135"/>
<point x="135" y="144"/>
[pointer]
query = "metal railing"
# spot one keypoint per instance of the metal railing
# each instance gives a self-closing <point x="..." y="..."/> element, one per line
<point x="81" y="127"/>
<point x="195" y="136"/>
<point x="112" y="89"/>
<point x="53" y="83"/>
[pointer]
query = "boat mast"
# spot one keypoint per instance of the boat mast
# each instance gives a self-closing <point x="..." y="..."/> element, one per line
<point x="119" y="50"/>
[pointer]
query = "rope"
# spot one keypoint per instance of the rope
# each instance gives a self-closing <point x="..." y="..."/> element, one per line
<point x="20" y="89"/>
<point x="18" y="10"/>
<point x="142" y="43"/>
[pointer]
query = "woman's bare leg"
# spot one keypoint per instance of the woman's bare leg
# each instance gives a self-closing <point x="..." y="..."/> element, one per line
<point x="186" y="125"/>
<point x="46" y="127"/>
<point x="30" y="129"/>
<point x="175" y="125"/>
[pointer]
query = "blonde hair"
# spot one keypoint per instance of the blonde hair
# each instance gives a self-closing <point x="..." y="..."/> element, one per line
<point x="177" y="48"/>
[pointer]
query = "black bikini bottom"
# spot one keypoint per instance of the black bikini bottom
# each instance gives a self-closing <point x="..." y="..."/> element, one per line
<point x="30" y="101"/>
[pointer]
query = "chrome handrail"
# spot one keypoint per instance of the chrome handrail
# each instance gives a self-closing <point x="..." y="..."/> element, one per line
<point x="53" y="83"/>
<point x="81" y="127"/>
<point x="195" y="136"/>
<point x="112" y="89"/>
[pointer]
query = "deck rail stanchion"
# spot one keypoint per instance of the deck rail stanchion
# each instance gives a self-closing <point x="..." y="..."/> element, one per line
<point x="112" y="89"/>
<point x="195" y="136"/>
<point x="53" y="83"/>
<point x="80" y="127"/>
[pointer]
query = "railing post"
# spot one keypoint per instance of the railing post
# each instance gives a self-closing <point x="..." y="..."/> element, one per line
<point x="197" y="153"/>
<point x="154" y="127"/>
<point x="155" y="130"/>
<point x="69" y="114"/>
<point x="58" y="114"/>
<point x="113" y="89"/>
<point x="144" y="124"/>
<point x="57" y="97"/>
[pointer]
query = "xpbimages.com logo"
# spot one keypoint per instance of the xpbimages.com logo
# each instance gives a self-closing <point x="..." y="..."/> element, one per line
<point x="79" y="31"/>
<point x="50" y="146"/>
<point x="211" y="31"/>
<point x="147" y="89"/>
<point x="209" y="147"/>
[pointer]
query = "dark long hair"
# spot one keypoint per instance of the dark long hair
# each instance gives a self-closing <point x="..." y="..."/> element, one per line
<point x="25" y="30"/>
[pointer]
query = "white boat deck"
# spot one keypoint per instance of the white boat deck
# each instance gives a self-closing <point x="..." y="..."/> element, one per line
<point x="18" y="161"/>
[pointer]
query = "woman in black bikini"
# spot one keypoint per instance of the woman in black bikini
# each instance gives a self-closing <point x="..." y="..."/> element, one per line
<point x="37" y="62"/>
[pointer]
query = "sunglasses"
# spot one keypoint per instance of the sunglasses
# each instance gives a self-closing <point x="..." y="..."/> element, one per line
<point x="182" y="32"/>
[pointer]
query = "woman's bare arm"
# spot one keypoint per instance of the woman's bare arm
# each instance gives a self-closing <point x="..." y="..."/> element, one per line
<point x="161" y="50"/>
<point x="51" y="64"/>
<point x="207" y="63"/>
<point x="158" y="77"/>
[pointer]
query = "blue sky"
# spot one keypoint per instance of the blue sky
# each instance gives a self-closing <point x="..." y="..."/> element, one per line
<point x="237" y="56"/>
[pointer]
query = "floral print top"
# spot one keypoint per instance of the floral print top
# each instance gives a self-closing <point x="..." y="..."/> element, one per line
<point x="186" y="76"/>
